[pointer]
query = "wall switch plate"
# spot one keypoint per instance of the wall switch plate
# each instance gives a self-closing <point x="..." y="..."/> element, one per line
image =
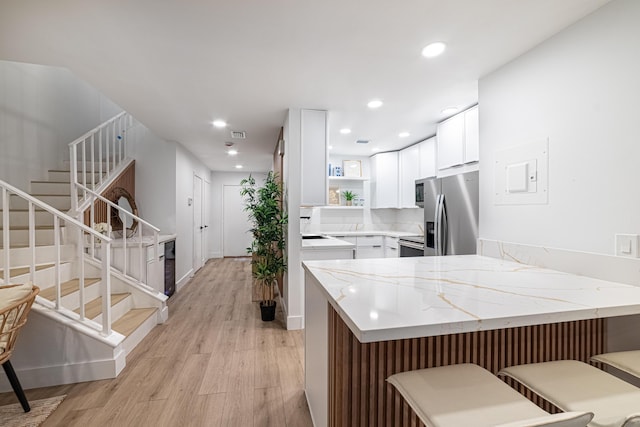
<point x="627" y="245"/>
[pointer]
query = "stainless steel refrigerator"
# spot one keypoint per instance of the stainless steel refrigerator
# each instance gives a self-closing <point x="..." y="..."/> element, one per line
<point x="451" y="215"/>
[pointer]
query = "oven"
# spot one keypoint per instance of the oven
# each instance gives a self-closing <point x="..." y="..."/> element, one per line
<point x="411" y="246"/>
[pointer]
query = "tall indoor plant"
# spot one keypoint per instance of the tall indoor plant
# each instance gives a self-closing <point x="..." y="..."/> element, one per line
<point x="264" y="205"/>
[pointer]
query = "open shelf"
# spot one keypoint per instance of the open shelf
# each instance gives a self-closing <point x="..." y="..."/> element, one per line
<point x="348" y="178"/>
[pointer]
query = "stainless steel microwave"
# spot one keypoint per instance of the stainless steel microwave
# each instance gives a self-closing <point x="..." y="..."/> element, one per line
<point x="420" y="192"/>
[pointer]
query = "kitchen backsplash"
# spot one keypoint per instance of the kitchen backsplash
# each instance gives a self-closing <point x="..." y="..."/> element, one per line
<point x="343" y="219"/>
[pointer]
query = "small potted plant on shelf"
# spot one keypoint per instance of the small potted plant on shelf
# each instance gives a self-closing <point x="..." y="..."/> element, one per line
<point x="269" y="220"/>
<point x="348" y="197"/>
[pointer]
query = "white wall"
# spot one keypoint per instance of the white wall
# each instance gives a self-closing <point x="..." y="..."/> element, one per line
<point x="155" y="178"/>
<point x="42" y="110"/>
<point x="293" y="296"/>
<point x="187" y="165"/>
<point x="580" y="90"/>
<point x="218" y="181"/>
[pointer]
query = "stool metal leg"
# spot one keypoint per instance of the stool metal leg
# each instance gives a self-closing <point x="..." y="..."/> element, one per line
<point x="17" y="388"/>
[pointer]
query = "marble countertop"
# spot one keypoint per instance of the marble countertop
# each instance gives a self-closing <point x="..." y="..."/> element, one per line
<point x="326" y="244"/>
<point x="397" y="298"/>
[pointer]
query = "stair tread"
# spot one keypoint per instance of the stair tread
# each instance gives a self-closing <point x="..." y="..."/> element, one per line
<point x="128" y="323"/>
<point x="67" y="288"/>
<point x="19" y="271"/>
<point x="51" y="182"/>
<point x="93" y="308"/>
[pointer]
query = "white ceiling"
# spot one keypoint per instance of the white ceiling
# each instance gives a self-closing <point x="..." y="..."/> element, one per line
<point x="177" y="65"/>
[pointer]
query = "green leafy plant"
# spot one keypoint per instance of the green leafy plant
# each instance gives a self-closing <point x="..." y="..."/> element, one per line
<point x="264" y="205"/>
<point x="349" y="196"/>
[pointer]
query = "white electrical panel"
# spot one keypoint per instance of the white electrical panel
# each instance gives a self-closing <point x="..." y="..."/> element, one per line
<point x="521" y="174"/>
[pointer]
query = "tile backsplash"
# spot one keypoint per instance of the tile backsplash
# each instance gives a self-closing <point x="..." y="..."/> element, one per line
<point x="353" y="219"/>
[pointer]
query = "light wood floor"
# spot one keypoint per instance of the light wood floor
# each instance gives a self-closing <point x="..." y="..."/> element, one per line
<point x="213" y="363"/>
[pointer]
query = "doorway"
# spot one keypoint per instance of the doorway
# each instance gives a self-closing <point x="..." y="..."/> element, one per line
<point x="198" y="225"/>
<point x="236" y="235"/>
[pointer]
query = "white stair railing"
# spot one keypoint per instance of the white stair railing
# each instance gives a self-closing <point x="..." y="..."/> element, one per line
<point x="139" y="240"/>
<point x="96" y="155"/>
<point x="74" y="230"/>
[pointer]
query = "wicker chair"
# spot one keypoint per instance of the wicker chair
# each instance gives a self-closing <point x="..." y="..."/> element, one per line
<point x="12" y="318"/>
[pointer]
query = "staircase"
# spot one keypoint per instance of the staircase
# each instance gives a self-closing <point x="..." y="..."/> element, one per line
<point x="89" y="314"/>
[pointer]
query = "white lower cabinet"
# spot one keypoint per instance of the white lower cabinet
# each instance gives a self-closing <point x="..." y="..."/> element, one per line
<point x="391" y="247"/>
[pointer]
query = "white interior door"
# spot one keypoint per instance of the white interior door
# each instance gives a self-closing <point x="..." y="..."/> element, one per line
<point x="206" y="220"/>
<point x="198" y="226"/>
<point x="235" y="223"/>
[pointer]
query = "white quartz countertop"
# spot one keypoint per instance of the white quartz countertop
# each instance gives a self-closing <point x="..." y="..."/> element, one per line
<point x="326" y="244"/>
<point x="397" y="298"/>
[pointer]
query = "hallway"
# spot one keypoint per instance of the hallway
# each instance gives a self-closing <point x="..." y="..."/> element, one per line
<point x="213" y="363"/>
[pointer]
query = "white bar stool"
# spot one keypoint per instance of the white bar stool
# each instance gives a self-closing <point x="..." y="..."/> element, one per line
<point x="576" y="386"/>
<point x="626" y="361"/>
<point x="468" y="395"/>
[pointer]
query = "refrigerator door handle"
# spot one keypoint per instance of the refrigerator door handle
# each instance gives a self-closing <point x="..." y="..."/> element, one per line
<point x="445" y="226"/>
<point x="438" y="225"/>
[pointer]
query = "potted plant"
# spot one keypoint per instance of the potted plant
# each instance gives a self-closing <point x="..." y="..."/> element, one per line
<point x="268" y="220"/>
<point x="348" y="197"/>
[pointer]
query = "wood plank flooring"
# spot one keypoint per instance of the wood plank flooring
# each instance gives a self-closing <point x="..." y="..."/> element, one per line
<point x="213" y="363"/>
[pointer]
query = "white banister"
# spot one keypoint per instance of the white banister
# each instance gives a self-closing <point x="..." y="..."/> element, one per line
<point x="106" y="289"/>
<point x="124" y="214"/>
<point x="60" y="219"/>
<point x="111" y="148"/>
<point x="5" y="235"/>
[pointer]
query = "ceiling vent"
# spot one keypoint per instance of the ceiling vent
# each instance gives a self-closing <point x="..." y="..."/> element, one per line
<point x="362" y="141"/>
<point x="238" y="134"/>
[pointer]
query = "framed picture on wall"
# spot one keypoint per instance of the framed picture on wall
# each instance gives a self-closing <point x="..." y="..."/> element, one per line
<point x="352" y="168"/>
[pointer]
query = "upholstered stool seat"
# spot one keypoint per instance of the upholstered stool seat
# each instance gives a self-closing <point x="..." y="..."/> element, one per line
<point x="627" y="361"/>
<point x="468" y="395"/>
<point x="576" y="386"/>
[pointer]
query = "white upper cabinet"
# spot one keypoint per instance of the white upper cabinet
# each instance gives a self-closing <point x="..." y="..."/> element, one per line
<point x="471" y="136"/>
<point x="384" y="180"/>
<point x="427" y="154"/>
<point x="458" y="140"/>
<point x="314" y="158"/>
<point x="409" y="172"/>
<point x="450" y="137"/>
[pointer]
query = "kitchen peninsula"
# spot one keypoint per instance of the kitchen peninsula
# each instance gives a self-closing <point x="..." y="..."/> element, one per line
<point x="367" y="319"/>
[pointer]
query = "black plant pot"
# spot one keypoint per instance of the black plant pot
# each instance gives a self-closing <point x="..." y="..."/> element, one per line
<point x="267" y="310"/>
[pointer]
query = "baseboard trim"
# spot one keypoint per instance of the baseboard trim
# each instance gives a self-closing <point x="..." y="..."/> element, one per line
<point x="184" y="280"/>
<point x="215" y="255"/>
<point x="295" y="323"/>
<point x="48" y="376"/>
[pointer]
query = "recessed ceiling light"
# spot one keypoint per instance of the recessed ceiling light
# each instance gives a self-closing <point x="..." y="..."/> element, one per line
<point x="238" y="166"/>
<point x="449" y="110"/>
<point x="434" y="49"/>
<point x="404" y="134"/>
<point x="331" y="147"/>
<point x="374" y="103"/>
<point x="219" y="123"/>
<point x="232" y="152"/>
<point x="345" y="131"/>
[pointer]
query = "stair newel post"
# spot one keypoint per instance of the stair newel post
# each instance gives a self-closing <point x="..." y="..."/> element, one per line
<point x="141" y="252"/>
<point x="106" y="286"/>
<point x="93" y="162"/>
<point x="56" y="245"/>
<point x="92" y="221"/>
<point x="5" y="235"/>
<point x="80" y="255"/>
<point x="84" y="168"/>
<point x="32" y="242"/>
<point x="73" y="155"/>
<point x="100" y="155"/>
<point x="124" y="242"/>
<point x="106" y="154"/>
